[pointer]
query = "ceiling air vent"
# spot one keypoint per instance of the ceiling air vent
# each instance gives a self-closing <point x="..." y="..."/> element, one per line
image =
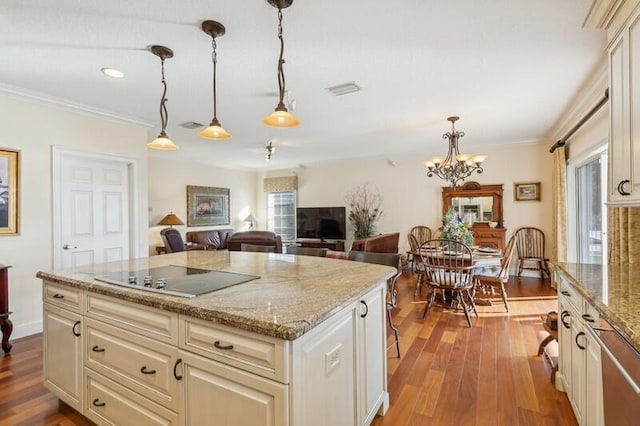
<point x="345" y="88"/>
<point x="191" y="125"/>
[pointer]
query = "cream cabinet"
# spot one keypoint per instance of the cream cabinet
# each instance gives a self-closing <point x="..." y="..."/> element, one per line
<point x="63" y="343"/>
<point x="624" y="131"/>
<point x="579" y="373"/>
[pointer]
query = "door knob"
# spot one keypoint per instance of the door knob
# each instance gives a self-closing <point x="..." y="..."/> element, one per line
<point x="67" y="247"/>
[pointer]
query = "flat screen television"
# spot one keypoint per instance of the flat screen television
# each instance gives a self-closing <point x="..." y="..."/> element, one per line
<point x="326" y="223"/>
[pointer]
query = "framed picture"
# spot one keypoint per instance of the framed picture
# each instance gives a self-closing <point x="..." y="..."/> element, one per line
<point x="527" y="191"/>
<point x="207" y="206"/>
<point x="9" y="185"/>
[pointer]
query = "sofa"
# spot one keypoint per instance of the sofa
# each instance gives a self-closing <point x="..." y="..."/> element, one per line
<point x="259" y="238"/>
<point x="383" y="243"/>
<point x="210" y="239"/>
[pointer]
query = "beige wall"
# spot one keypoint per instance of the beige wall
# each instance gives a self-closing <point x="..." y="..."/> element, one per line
<point x="33" y="128"/>
<point x="168" y="180"/>
<point x="411" y="198"/>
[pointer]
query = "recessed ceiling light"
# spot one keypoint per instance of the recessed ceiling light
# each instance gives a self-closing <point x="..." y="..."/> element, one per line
<point x="111" y="72"/>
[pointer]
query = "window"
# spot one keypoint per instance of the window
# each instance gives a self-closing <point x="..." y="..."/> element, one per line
<point x="281" y="214"/>
<point x="587" y="210"/>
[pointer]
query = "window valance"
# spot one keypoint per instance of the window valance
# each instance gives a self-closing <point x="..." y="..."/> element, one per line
<point x="281" y="184"/>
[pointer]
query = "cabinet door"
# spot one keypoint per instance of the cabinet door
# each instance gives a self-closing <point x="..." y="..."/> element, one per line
<point x="565" y="342"/>
<point x="217" y="394"/>
<point x="634" y="107"/>
<point x="619" y="139"/>
<point x="372" y="354"/>
<point x="577" y="396"/>
<point x="62" y="354"/>
<point x="593" y="410"/>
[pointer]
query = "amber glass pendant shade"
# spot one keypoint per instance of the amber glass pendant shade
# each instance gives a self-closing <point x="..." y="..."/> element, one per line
<point x="281" y="118"/>
<point x="163" y="143"/>
<point x="214" y="132"/>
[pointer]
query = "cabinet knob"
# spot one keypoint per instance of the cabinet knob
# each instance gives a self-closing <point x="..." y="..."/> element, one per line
<point x="621" y="185"/>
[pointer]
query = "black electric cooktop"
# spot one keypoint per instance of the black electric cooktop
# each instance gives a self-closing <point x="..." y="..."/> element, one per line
<point x="176" y="280"/>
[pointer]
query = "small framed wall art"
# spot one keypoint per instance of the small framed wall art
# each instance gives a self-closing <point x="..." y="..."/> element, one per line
<point x="9" y="186"/>
<point x="527" y="191"/>
<point x="207" y="206"/>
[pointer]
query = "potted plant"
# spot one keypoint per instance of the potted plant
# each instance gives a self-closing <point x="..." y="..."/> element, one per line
<point x="454" y="228"/>
<point x="365" y="204"/>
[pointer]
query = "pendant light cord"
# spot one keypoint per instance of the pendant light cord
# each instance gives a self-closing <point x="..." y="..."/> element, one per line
<point x="281" y="81"/>
<point x="214" y="59"/>
<point x="164" y="114"/>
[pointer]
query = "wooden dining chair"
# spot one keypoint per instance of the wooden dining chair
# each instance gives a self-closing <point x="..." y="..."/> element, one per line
<point x="530" y="248"/>
<point x="498" y="280"/>
<point x="417" y="266"/>
<point x="389" y="259"/>
<point x="448" y="266"/>
<point x="307" y="251"/>
<point x="257" y="248"/>
<point x="418" y="235"/>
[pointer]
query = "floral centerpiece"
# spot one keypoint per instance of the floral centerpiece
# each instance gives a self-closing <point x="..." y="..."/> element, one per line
<point x="365" y="204"/>
<point x="454" y="228"/>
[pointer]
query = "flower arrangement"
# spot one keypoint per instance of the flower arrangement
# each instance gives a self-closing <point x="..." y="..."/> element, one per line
<point x="454" y="228"/>
<point x="365" y="204"/>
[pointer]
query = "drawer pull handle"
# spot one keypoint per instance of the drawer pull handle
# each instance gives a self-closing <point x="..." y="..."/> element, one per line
<point x="565" y="292"/>
<point x="562" y="317"/>
<point x="366" y="307"/>
<point x="73" y="329"/>
<point x="97" y="348"/>
<point x="58" y="296"/>
<point x="588" y="318"/>
<point x="97" y="403"/>
<point x="578" y="344"/>
<point x="175" y="369"/>
<point x="219" y="346"/>
<point x="144" y="370"/>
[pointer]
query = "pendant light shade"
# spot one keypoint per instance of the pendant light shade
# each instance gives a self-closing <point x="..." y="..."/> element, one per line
<point x="281" y="117"/>
<point x="215" y="131"/>
<point x="162" y="142"/>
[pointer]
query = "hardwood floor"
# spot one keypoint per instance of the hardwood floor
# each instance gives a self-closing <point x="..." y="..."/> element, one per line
<point x="490" y="374"/>
<point x="448" y="374"/>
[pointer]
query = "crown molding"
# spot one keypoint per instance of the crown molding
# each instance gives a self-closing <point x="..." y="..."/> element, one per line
<point x="601" y="13"/>
<point x="67" y="105"/>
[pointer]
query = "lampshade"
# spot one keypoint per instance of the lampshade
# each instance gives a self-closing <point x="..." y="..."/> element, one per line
<point x="171" y="219"/>
<point x="279" y="118"/>
<point x="162" y="142"/>
<point x="214" y="132"/>
<point x="250" y="218"/>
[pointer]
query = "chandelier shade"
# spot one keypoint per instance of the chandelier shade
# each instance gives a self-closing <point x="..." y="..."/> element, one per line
<point x="215" y="131"/>
<point x="162" y="142"/>
<point x="281" y="117"/>
<point x="455" y="167"/>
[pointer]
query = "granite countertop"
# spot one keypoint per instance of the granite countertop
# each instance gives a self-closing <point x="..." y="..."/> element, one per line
<point x="614" y="291"/>
<point x="292" y="295"/>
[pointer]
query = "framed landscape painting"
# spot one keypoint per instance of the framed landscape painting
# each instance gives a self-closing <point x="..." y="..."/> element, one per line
<point x="207" y="206"/>
<point x="527" y="191"/>
<point x="9" y="175"/>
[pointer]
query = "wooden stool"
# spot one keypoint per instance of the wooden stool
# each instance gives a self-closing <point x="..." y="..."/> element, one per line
<point x="553" y="335"/>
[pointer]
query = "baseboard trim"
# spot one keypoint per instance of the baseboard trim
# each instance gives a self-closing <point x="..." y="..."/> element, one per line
<point x="25" y="330"/>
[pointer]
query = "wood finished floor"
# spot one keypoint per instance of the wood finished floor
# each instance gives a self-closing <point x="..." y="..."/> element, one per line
<point x="448" y="374"/>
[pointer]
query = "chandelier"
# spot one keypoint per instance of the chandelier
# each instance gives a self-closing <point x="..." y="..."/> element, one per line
<point x="455" y="167"/>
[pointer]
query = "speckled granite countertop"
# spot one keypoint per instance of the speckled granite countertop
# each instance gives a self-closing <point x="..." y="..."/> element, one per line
<point x="613" y="291"/>
<point x="293" y="295"/>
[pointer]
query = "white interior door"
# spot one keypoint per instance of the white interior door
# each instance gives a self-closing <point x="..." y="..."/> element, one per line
<point x="94" y="206"/>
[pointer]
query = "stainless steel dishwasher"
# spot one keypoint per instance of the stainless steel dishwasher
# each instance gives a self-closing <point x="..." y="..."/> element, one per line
<point x="620" y="377"/>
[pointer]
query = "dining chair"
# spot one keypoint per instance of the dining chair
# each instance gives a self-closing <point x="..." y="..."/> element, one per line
<point x="448" y="266"/>
<point x="530" y="248"/>
<point x="307" y="251"/>
<point x="485" y="277"/>
<point x="418" y="235"/>
<point x="257" y="248"/>
<point x="389" y="259"/>
<point x="417" y="267"/>
<point x="172" y="240"/>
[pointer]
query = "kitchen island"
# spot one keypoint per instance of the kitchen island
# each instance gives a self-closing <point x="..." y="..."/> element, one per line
<point x="302" y="344"/>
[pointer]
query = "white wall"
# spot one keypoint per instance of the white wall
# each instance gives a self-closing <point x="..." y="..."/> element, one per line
<point x="168" y="180"/>
<point x="33" y="128"/>
<point x="411" y="198"/>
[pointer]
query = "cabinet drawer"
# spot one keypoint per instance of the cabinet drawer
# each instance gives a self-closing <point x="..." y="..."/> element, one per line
<point x="108" y="403"/>
<point x="64" y="296"/>
<point x="570" y="295"/>
<point x="141" y="364"/>
<point x="262" y="355"/>
<point x="153" y="323"/>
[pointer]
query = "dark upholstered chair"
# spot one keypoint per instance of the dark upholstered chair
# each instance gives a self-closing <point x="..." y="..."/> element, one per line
<point x="210" y="239"/>
<point x="389" y="259"/>
<point x="259" y="238"/>
<point x="307" y="251"/>
<point x="172" y="240"/>
<point x="383" y="243"/>
<point x="257" y="248"/>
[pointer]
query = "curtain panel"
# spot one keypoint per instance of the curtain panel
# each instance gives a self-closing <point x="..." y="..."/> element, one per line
<point x="559" y="240"/>
<point x="624" y="235"/>
<point x="281" y="184"/>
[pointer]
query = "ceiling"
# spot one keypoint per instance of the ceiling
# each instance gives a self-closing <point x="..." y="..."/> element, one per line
<point x="508" y="68"/>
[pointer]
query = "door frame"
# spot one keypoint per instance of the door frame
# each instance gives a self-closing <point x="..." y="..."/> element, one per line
<point x="133" y="169"/>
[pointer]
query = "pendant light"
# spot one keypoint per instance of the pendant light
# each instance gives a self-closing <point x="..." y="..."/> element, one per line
<point x="162" y="142"/>
<point x="215" y="131"/>
<point x="281" y="116"/>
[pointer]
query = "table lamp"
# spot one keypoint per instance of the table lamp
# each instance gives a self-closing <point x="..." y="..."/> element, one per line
<point x="171" y="219"/>
<point x="250" y="218"/>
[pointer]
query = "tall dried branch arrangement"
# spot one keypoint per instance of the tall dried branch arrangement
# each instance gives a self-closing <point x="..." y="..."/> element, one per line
<point x="365" y="204"/>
